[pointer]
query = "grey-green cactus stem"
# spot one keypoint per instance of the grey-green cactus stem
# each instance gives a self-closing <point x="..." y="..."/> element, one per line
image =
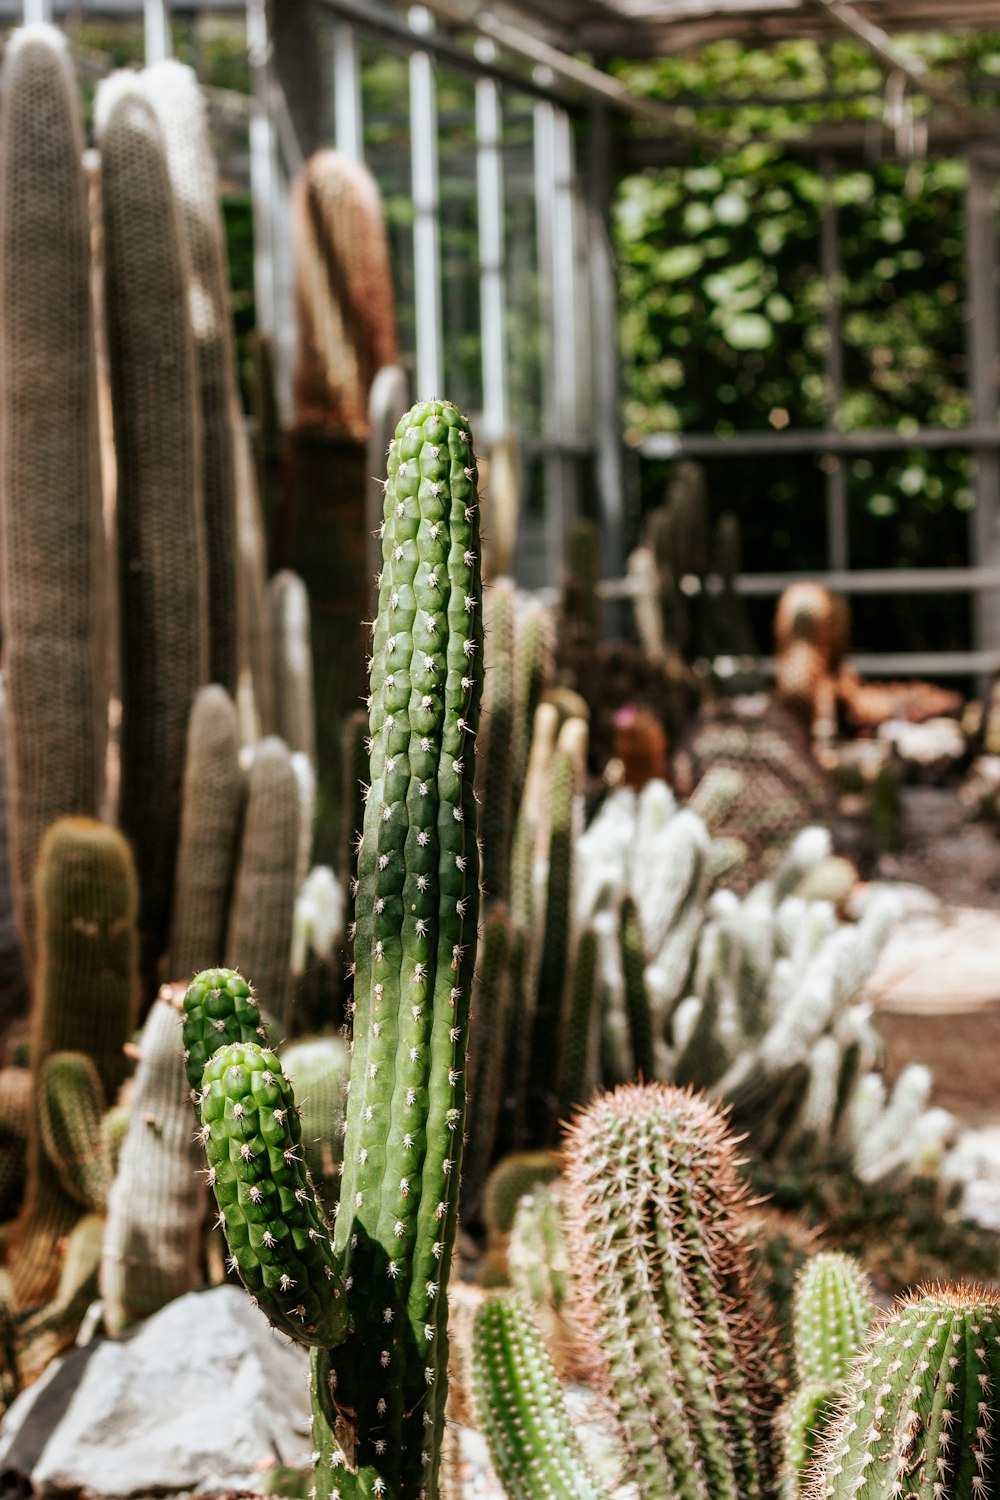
<point x="531" y="1438"/>
<point x="415" y="949"/>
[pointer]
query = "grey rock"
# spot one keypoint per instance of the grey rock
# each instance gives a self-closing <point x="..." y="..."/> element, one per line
<point x="200" y="1398"/>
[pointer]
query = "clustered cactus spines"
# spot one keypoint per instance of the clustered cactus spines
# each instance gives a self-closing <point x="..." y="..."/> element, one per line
<point x="417" y="908"/>
<point x="276" y="1235"/>
<point x="219" y="1008"/>
<point x="919" y="1413"/>
<point x="532" y="1441"/>
<point x="49" y="481"/>
<point x="833" y="1308"/>
<point x="653" y="1203"/>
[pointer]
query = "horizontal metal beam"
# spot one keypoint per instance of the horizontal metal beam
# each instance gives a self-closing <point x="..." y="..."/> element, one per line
<point x="822" y="440"/>
<point x="914" y="663"/>
<point x="846" y="581"/>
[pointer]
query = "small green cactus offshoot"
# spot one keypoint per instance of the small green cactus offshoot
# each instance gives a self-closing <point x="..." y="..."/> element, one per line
<point x="219" y="1009"/>
<point x="920" y="1412"/>
<point x="532" y="1442"/>
<point x="277" y="1239"/>
<point x="832" y="1310"/>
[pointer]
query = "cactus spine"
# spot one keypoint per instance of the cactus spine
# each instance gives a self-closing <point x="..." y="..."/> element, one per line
<point x="653" y="1202"/>
<point x="161" y="548"/>
<point x="919" y="1413"/>
<point x="49" y="483"/>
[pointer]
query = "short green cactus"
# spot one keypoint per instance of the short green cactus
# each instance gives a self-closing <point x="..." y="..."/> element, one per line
<point x="532" y="1441"/>
<point x="510" y="1179"/>
<point x="654" y="1207"/>
<point x="71" y="1111"/>
<point x="219" y="1008"/>
<point x="919" y="1412"/>
<point x="278" y="1241"/>
<point x="640" y="1020"/>
<point x="832" y="1310"/>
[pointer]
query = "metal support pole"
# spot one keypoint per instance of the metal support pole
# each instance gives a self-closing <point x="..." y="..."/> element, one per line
<point x="833" y="362"/>
<point x="489" y="186"/>
<point x="36" y="11"/>
<point x="269" y="195"/>
<point x="349" y="132"/>
<point x="984" y="358"/>
<point x="426" y="227"/>
<point x="554" y="213"/>
<point x="156" y="31"/>
<point x="604" y="343"/>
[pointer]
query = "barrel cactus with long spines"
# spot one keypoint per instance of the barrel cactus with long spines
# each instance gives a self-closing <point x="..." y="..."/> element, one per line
<point x="920" y="1412"/>
<point x="654" y="1209"/>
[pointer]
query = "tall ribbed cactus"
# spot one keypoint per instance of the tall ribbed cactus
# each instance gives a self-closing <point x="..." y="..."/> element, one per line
<point x="259" y="939"/>
<point x="161" y="547"/>
<point x="209" y="836"/>
<point x="920" y="1412"/>
<point x="496" y="780"/>
<point x="152" y="1242"/>
<point x="86" y="1000"/>
<point x="378" y="1397"/>
<point x="173" y="91"/>
<point x="49" y="484"/>
<point x="653" y="1203"/>
<point x="415" y="951"/>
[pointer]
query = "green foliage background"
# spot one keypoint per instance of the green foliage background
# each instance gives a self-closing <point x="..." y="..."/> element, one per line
<point x="723" y="299"/>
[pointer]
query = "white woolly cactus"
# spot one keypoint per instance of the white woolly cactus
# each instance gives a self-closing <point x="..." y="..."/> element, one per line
<point x="319" y="918"/>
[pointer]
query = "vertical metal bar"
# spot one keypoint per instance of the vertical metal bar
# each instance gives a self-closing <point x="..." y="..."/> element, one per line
<point x="546" y="187"/>
<point x="261" y="168"/>
<point x="426" y="228"/>
<point x="604" y="344"/>
<point x="36" y="11"/>
<point x="490" y="200"/>
<point x="564" y="277"/>
<point x="156" y="30"/>
<point x="348" y="128"/>
<point x="833" y="369"/>
<point x="982" y="311"/>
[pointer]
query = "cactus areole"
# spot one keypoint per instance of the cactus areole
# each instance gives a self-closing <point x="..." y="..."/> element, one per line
<point x="380" y="1374"/>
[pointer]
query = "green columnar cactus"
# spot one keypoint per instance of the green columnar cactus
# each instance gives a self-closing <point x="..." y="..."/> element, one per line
<point x="318" y="1068"/>
<point x="653" y="1203"/>
<point x="86" y="1000"/>
<point x="491" y="997"/>
<point x="533" y="658"/>
<point x="209" y="836"/>
<point x="356" y="746"/>
<point x="293" y="674"/>
<point x="833" y="1307"/>
<point x="114" y="1128"/>
<point x="532" y="1441"/>
<point x="496" y="781"/>
<point x="920" y="1409"/>
<point x="49" y="481"/>
<point x="158" y="450"/>
<point x="152" y="1242"/>
<point x="259" y="939"/>
<point x="415" y="951"/>
<point x="555" y="961"/>
<point x="219" y="1008"/>
<point x="579" y="1062"/>
<point x="70" y="1113"/>
<point x="804" y="1422"/>
<point x="510" y="1179"/>
<point x="179" y="105"/>
<point x="538" y="1256"/>
<point x="640" y="1020"/>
